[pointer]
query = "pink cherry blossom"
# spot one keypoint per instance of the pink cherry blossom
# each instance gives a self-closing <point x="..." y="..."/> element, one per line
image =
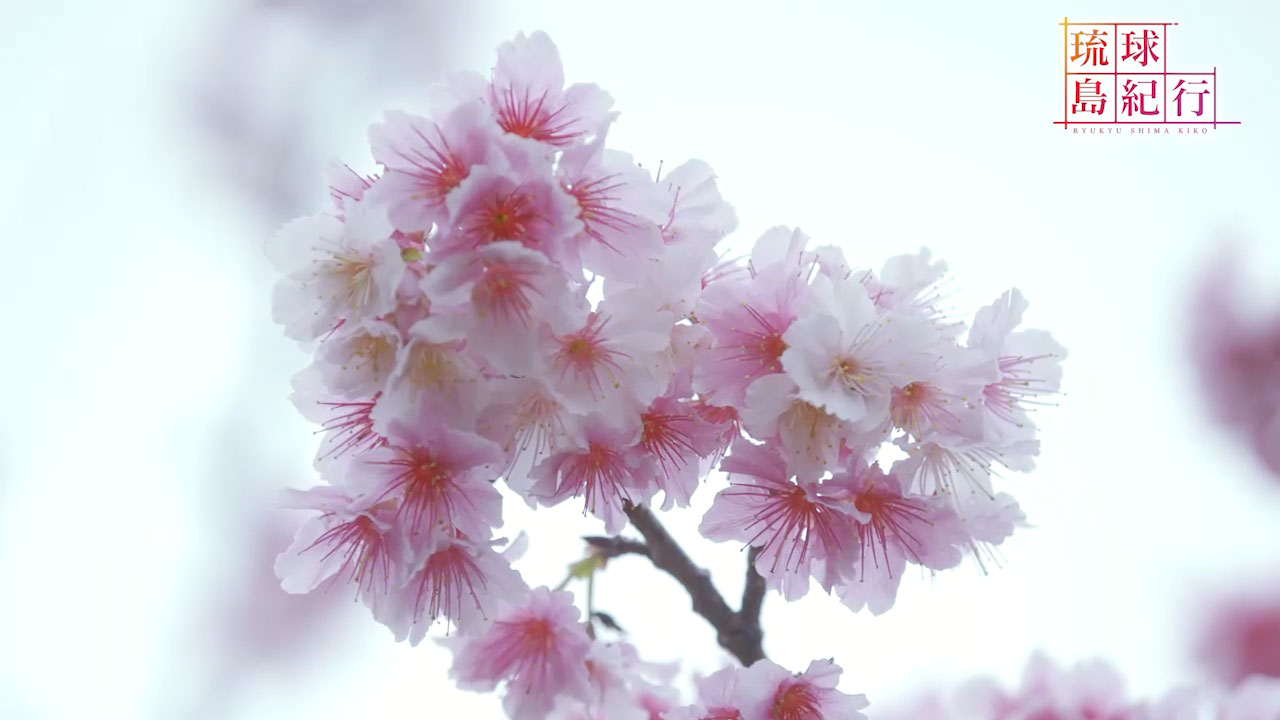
<point x="357" y="359"/>
<point x="770" y="692"/>
<point x="529" y="420"/>
<point x="598" y="468"/>
<point x="717" y="698"/>
<point x="726" y="424"/>
<point x="426" y="161"/>
<point x="963" y="479"/>
<point x="671" y="282"/>
<point x="433" y="378"/>
<point x="846" y="357"/>
<point x="529" y="98"/>
<point x="350" y="542"/>
<point x="617" y="205"/>
<point x="538" y="649"/>
<point x="497" y="299"/>
<point x="345" y="183"/>
<point x="909" y="285"/>
<point x="694" y="210"/>
<point x="945" y="403"/>
<point x="346" y="425"/>
<point x="747" y="314"/>
<point x="811" y="437"/>
<point x="673" y="440"/>
<point x="962" y="473"/>
<point x="494" y="205"/>
<point x="893" y="528"/>
<point x="622" y="687"/>
<point x="989" y="523"/>
<point x="613" y="363"/>
<point x="352" y="267"/>
<point x="1029" y="366"/>
<point x="439" y="477"/>
<point x="789" y="521"/>
<point x="767" y="691"/>
<point x="459" y="581"/>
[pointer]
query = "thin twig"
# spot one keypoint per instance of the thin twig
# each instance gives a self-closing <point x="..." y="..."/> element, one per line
<point x="739" y="633"/>
<point x="612" y="547"/>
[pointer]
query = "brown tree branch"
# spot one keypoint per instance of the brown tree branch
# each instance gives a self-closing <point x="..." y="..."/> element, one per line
<point x="752" y="591"/>
<point x="737" y="632"/>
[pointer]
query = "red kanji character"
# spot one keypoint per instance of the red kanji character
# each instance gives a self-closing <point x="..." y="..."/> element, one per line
<point x="1141" y="49"/>
<point x="1089" y="97"/>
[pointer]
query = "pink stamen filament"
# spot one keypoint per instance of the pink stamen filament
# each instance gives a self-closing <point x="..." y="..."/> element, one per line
<point x="600" y="475"/>
<point x="351" y="428"/>
<point x="588" y="355"/>
<point x="437" y="170"/>
<point x="426" y="488"/>
<point x="448" y="576"/>
<point x="598" y="208"/>
<point x="529" y="117"/>
<point x="662" y="436"/>
<point x="364" y="554"/>
<point x="759" y="347"/>
<point x="786" y="515"/>
<point x="795" y="702"/>
<point x="890" y="517"/>
<point x="503" y="216"/>
<point x="503" y="292"/>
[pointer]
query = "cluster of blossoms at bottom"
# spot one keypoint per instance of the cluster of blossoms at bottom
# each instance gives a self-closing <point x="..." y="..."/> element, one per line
<point x="552" y="669"/>
<point x="508" y="302"/>
<point x="1090" y="691"/>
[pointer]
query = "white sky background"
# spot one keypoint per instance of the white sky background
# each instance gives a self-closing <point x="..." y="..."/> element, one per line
<point x="136" y="296"/>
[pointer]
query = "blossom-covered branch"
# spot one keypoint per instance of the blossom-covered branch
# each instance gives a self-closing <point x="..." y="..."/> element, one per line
<point x="508" y="308"/>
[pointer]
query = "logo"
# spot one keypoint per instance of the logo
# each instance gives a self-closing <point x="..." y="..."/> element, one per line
<point x="1116" y="78"/>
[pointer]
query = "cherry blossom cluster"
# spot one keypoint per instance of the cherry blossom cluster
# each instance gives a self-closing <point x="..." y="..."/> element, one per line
<point x="825" y="368"/>
<point x="508" y="300"/>
<point x="1090" y="690"/>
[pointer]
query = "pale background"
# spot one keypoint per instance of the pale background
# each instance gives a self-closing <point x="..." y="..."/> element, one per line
<point x="144" y="409"/>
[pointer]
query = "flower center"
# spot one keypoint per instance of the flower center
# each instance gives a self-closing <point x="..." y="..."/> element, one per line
<point x="431" y="365"/>
<point x="771" y="348"/>
<point x="795" y="703"/>
<point x="849" y="372"/>
<point x="578" y="349"/>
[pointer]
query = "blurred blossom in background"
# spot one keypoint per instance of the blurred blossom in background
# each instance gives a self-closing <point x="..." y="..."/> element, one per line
<point x="278" y="82"/>
<point x="1085" y="690"/>
<point x="277" y="85"/>
<point x="1235" y="339"/>
<point x="1240" y="632"/>
<point x="156" y="145"/>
